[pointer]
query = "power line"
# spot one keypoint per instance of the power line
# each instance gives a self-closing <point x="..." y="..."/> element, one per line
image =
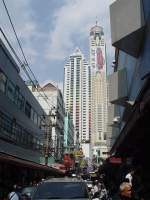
<point x="13" y="27"/>
<point x="25" y="64"/>
<point x="25" y="70"/>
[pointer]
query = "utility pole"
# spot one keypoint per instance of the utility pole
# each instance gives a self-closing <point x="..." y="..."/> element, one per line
<point x="48" y="137"/>
<point x="47" y="127"/>
<point x="53" y="116"/>
<point x="52" y="140"/>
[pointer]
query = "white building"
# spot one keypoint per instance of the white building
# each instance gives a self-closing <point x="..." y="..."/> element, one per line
<point x="98" y="93"/>
<point x="77" y="95"/>
<point x="53" y="104"/>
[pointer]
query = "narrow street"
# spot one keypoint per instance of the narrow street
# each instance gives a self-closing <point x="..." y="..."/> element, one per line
<point x="74" y="99"/>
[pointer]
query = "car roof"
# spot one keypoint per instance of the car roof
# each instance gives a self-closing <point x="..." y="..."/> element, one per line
<point x="66" y="179"/>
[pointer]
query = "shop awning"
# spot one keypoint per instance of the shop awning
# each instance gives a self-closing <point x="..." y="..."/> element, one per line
<point x="115" y="160"/>
<point x="27" y="164"/>
<point x="59" y="166"/>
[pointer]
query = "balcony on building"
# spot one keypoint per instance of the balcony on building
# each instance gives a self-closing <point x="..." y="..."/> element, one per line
<point x="114" y="124"/>
<point x="128" y="110"/>
<point x="118" y="93"/>
<point x="127" y="26"/>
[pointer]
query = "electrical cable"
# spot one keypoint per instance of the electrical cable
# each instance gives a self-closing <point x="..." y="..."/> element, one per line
<point x="24" y="65"/>
<point x="26" y="72"/>
<point x="28" y="75"/>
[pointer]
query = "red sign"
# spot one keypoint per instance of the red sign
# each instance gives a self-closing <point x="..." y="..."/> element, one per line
<point x="67" y="161"/>
<point x="100" y="59"/>
<point x="115" y="160"/>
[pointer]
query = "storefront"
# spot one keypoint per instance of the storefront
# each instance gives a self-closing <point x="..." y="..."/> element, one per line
<point x="134" y="141"/>
<point x="14" y="170"/>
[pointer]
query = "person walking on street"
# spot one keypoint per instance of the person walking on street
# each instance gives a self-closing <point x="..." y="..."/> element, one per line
<point x="129" y="177"/>
<point x="125" y="192"/>
<point x="14" y="195"/>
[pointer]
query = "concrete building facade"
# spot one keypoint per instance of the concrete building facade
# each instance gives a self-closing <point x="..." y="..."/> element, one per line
<point x="98" y="92"/>
<point x="54" y="109"/>
<point x="20" y="131"/>
<point x="77" y="95"/>
<point x="130" y="83"/>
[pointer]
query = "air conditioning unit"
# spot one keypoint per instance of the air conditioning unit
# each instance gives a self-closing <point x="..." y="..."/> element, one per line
<point x="116" y="119"/>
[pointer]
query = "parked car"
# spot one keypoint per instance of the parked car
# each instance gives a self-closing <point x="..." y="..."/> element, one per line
<point x="61" y="188"/>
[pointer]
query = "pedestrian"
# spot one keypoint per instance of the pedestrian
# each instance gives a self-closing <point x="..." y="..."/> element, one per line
<point x="129" y="177"/>
<point x="126" y="191"/>
<point x="103" y="193"/>
<point x="14" y="195"/>
<point x="34" y="183"/>
<point x="95" y="187"/>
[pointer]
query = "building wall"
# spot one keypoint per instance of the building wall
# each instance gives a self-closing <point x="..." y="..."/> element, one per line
<point x="98" y="89"/>
<point x="54" y="109"/>
<point x="87" y="150"/>
<point x="77" y="94"/>
<point x="20" y="113"/>
<point x="136" y="67"/>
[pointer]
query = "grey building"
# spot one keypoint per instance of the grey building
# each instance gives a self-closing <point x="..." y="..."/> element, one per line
<point x="20" y="117"/>
<point x="20" y="128"/>
<point x="131" y="48"/>
<point x="20" y="113"/>
<point x="130" y="83"/>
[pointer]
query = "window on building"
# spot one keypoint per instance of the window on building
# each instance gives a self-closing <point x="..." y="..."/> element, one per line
<point x="10" y="129"/>
<point x="3" y="81"/>
<point x="19" y="99"/>
<point x="35" y="118"/>
<point x="28" y="109"/>
<point x="105" y="136"/>
<point x="11" y="90"/>
<point x="5" y="125"/>
<point x="18" y="133"/>
<point x="100" y="137"/>
<point x="32" y="114"/>
<point x="39" y="121"/>
<point x="16" y="95"/>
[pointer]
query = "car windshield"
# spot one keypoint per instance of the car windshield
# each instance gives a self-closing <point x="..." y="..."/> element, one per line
<point x="61" y="190"/>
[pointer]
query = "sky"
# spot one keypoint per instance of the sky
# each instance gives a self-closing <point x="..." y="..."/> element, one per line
<point x="50" y="30"/>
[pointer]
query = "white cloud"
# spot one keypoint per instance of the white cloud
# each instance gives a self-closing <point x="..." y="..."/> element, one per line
<point x="71" y="24"/>
<point x="75" y="19"/>
<point x="26" y="28"/>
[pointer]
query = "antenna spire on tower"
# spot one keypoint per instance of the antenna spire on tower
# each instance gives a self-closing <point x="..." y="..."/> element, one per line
<point x="96" y="21"/>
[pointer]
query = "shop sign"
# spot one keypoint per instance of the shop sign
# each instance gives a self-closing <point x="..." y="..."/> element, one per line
<point x="115" y="160"/>
<point x="78" y="153"/>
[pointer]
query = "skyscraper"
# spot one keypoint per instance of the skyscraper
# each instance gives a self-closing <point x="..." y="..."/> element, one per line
<point x="77" y="94"/>
<point x="98" y="92"/>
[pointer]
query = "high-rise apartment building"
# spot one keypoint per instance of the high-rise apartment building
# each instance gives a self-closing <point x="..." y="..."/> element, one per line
<point x="98" y="92"/>
<point x="77" y="95"/>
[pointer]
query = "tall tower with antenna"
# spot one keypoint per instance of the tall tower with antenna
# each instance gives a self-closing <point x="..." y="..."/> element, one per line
<point x="98" y="92"/>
